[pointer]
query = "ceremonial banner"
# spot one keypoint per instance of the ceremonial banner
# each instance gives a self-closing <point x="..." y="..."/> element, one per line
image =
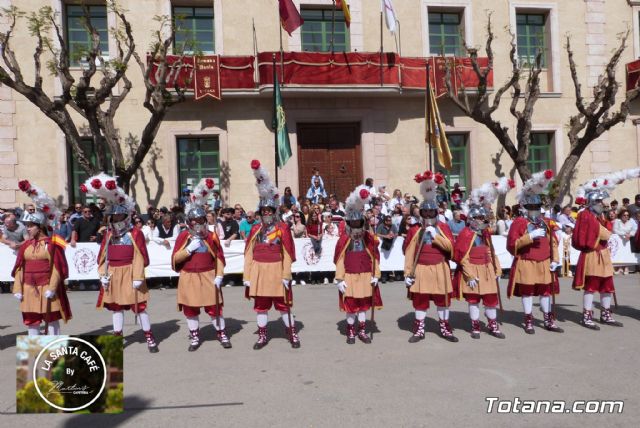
<point x="83" y="266"/>
<point x="207" y="77"/>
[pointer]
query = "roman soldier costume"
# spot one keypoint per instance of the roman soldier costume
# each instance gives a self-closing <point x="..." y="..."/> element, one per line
<point x="478" y="269"/>
<point x="199" y="258"/>
<point x="594" y="271"/>
<point x="121" y="259"/>
<point x="533" y="243"/>
<point x="357" y="261"/>
<point x="41" y="267"/>
<point x="268" y="255"/>
<point x="427" y="251"/>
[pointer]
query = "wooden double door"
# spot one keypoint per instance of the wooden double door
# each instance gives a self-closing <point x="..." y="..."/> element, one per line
<point x="334" y="149"/>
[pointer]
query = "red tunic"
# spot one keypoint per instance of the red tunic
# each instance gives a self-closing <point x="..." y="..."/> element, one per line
<point x="39" y="271"/>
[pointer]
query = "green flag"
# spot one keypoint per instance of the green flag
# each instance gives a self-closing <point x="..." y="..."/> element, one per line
<point x="279" y="125"/>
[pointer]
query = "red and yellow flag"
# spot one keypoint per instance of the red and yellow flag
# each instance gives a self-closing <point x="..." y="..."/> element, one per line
<point x="437" y="138"/>
<point x="342" y="4"/>
<point x="59" y="241"/>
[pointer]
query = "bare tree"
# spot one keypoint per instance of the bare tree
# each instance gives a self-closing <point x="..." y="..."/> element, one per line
<point x="481" y="109"/>
<point x="101" y="87"/>
<point x="592" y="120"/>
<point x="594" y="117"/>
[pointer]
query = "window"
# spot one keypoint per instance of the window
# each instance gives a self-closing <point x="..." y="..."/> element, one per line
<point x="531" y="38"/>
<point x="540" y="151"/>
<point x="194" y="29"/>
<point x="77" y="175"/>
<point x="458" y="172"/>
<point x="79" y="38"/>
<point x="198" y="158"/>
<point x="445" y="36"/>
<point x="317" y="30"/>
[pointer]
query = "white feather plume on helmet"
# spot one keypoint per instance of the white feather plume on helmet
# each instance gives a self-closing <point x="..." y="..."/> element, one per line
<point x="105" y="186"/>
<point x="429" y="184"/>
<point x="487" y="193"/>
<point x="44" y="203"/>
<point x="605" y="184"/>
<point x="198" y="198"/>
<point x="267" y="191"/>
<point x="534" y="186"/>
<point x="354" y="204"/>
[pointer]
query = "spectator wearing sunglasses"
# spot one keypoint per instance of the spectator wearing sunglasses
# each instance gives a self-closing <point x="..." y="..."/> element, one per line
<point x="85" y="229"/>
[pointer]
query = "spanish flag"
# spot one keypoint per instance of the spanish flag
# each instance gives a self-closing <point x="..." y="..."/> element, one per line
<point x="342" y="4"/>
<point x="436" y="136"/>
<point x="59" y="241"/>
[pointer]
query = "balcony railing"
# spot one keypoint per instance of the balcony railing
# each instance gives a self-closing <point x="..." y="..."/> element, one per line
<point x="337" y="71"/>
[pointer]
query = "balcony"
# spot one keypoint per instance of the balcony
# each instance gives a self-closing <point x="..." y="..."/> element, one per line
<point x="337" y="73"/>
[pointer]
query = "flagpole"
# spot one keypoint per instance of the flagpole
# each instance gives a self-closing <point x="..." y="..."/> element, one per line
<point x="333" y="23"/>
<point x="275" y="131"/>
<point x="281" y="57"/>
<point x="256" y="74"/>
<point x="428" y="126"/>
<point x="381" y="47"/>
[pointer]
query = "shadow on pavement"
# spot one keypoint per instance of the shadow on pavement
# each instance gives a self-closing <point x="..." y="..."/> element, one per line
<point x="276" y="329"/>
<point x="232" y="326"/>
<point x="341" y="326"/>
<point x="133" y="406"/>
<point x="161" y="331"/>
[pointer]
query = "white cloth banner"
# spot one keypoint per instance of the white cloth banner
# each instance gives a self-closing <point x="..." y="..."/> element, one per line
<point x="83" y="265"/>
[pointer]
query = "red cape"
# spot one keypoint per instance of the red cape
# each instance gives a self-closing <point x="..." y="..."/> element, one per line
<point x="585" y="239"/>
<point x="138" y="241"/>
<point x="59" y="262"/>
<point x="463" y="245"/>
<point x="370" y="241"/>
<point x="516" y="231"/>
<point x="212" y="242"/>
<point x="286" y="238"/>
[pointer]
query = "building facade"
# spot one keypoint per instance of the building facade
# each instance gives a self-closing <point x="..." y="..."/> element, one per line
<point x="350" y="131"/>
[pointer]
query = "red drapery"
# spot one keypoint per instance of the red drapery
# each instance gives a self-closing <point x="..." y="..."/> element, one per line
<point x="338" y="69"/>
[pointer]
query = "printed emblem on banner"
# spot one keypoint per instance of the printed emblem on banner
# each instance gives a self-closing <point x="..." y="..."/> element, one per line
<point x="309" y="255"/>
<point x="614" y="245"/>
<point x="84" y="260"/>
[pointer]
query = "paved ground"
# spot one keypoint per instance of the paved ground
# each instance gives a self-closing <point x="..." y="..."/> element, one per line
<point x="329" y="383"/>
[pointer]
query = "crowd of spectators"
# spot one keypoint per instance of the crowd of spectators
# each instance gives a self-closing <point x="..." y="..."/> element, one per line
<point x="315" y="215"/>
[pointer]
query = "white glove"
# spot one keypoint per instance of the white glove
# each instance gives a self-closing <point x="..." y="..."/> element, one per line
<point x="409" y="281"/>
<point x="537" y="233"/>
<point x="374" y="281"/>
<point x="218" y="281"/>
<point x="49" y="294"/>
<point x="194" y="245"/>
<point x="432" y="231"/>
<point x="473" y="283"/>
<point x="18" y="296"/>
<point x="137" y="284"/>
<point x="104" y="280"/>
<point x="246" y="283"/>
<point x="342" y="286"/>
<point x="554" y="266"/>
<point x="286" y="283"/>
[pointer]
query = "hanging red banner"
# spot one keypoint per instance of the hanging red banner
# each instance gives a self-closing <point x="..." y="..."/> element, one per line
<point x="207" y="77"/>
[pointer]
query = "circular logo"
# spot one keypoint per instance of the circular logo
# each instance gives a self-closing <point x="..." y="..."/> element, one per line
<point x="614" y="245"/>
<point x="309" y="255"/>
<point x="81" y="361"/>
<point x="84" y="260"/>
